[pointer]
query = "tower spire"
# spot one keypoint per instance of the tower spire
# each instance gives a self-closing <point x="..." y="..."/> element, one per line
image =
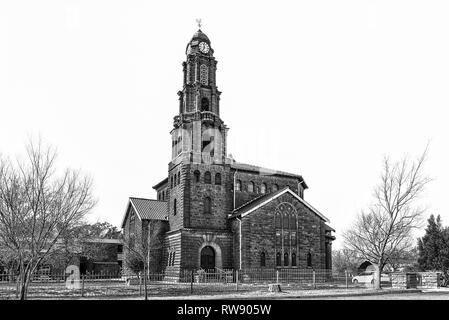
<point x="198" y="21"/>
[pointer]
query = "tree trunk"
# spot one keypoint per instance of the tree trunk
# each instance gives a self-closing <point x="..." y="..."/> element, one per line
<point x="377" y="276"/>
<point x="24" y="282"/>
<point x="145" y="281"/>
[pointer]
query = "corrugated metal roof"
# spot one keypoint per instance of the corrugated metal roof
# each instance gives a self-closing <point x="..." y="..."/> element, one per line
<point x="150" y="209"/>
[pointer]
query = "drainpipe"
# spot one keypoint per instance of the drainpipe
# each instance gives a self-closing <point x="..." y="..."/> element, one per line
<point x="240" y="243"/>
<point x="233" y="188"/>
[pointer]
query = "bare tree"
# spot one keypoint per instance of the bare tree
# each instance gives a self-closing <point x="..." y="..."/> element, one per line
<point x="345" y="260"/>
<point x="80" y="240"/>
<point x="407" y="259"/>
<point x="384" y="230"/>
<point x="38" y="205"/>
<point x="141" y="253"/>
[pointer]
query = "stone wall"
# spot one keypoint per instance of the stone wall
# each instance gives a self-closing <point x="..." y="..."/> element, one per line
<point x="429" y="279"/>
<point x="126" y="237"/>
<point x="404" y="280"/>
<point x="157" y="229"/>
<point x="172" y="244"/>
<point x="194" y="240"/>
<point x="176" y="191"/>
<point x="259" y="234"/>
<point x="220" y="195"/>
<point x="243" y="196"/>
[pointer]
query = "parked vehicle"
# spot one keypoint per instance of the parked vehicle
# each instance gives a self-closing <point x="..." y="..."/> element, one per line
<point x="368" y="277"/>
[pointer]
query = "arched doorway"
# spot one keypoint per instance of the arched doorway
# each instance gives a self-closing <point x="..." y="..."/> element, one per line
<point x="207" y="258"/>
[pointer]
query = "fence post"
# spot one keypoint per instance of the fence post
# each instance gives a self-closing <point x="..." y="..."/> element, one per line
<point x="140" y="283"/>
<point x="346" y="278"/>
<point x="313" y="278"/>
<point x="236" y="280"/>
<point x="191" y="282"/>
<point x="82" y="285"/>
<point x="277" y="276"/>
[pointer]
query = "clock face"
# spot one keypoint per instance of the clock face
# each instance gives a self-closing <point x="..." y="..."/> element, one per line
<point x="204" y="47"/>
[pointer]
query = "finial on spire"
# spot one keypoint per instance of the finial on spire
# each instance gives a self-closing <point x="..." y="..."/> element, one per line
<point x="198" y="21"/>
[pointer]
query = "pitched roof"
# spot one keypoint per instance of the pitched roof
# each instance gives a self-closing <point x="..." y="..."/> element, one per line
<point x="150" y="209"/>
<point x="266" y="171"/>
<point x="256" y="203"/>
<point x="147" y="209"/>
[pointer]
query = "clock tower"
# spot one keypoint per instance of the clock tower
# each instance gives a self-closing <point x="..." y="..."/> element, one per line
<point x="199" y="172"/>
<point x="199" y="135"/>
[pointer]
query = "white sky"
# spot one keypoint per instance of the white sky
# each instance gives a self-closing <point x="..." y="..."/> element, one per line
<point x="320" y="88"/>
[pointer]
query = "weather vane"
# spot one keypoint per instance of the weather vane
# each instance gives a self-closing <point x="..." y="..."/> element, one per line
<point x="199" y="22"/>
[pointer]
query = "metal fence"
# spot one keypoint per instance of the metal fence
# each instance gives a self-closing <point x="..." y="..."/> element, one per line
<point x="184" y="282"/>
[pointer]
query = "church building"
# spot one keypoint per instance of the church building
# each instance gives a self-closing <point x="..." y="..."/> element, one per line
<point x="212" y="212"/>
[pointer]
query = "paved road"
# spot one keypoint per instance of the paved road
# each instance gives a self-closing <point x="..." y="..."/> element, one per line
<point x="403" y="296"/>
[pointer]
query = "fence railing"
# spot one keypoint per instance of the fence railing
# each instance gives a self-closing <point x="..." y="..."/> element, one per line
<point x="175" y="282"/>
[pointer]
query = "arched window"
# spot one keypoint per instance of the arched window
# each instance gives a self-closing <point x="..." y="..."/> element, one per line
<point x="173" y="258"/>
<point x="171" y="182"/>
<point x="179" y="178"/>
<point x="217" y="178"/>
<point x="174" y="180"/>
<point x="286" y="239"/>
<point x="278" y="259"/>
<point x="285" y="220"/>
<point x="238" y="185"/>
<point x="207" y="205"/>
<point x="293" y="259"/>
<point x="174" y="207"/>
<point x="263" y="188"/>
<point x="197" y="175"/>
<point x="262" y="259"/>
<point x="275" y="187"/>
<point x="204" y="104"/>
<point x="169" y="258"/>
<point x="309" y="259"/>
<point x="132" y="223"/>
<point x="207" y="177"/>
<point x="204" y="75"/>
<point x="293" y="222"/>
<point x="285" y="259"/>
<point x="278" y="221"/>
<point x="251" y="186"/>
<point x="179" y="145"/>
